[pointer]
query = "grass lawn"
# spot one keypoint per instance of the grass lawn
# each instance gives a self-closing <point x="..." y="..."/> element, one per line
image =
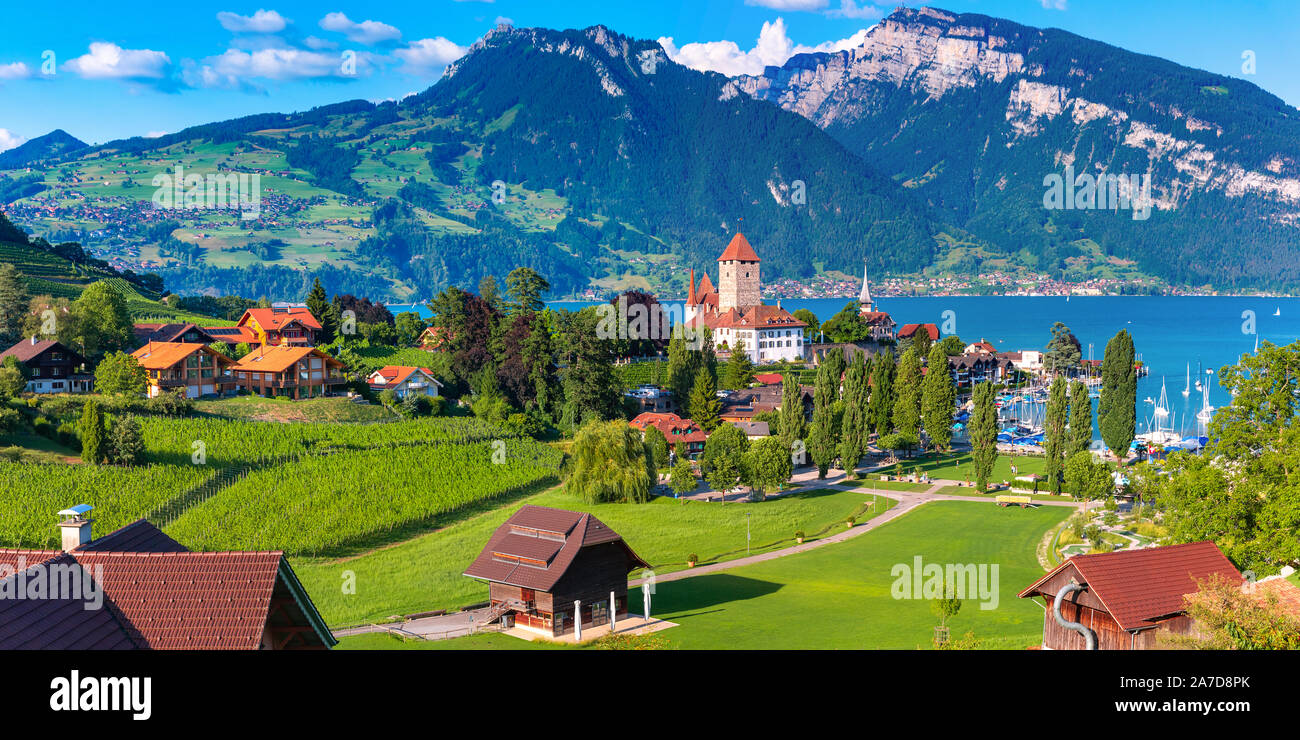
<point x="873" y="481"/>
<point x="484" y="641"/>
<point x="971" y="491"/>
<point x="425" y="572"/>
<point x="839" y="597"/>
<point x="255" y="408"/>
<point x="958" y="466"/>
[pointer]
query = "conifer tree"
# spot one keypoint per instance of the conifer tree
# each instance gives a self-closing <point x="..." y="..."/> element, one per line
<point x="938" y="398"/>
<point x="1117" y="410"/>
<point x="882" y="395"/>
<point x="907" y="395"/>
<point x="92" y="433"/>
<point x="705" y="405"/>
<point x="793" y="425"/>
<point x="1080" y="434"/>
<point x="983" y="432"/>
<point x="1054" y="433"/>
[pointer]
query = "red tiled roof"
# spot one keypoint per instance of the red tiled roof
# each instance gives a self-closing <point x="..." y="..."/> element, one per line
<point x="398" y="374"/>
<point x="750" y="317"/>
<point x="768" y="378"/>
<point x="26" y="350"/>
<point x="158" y="595"/>
<point x="739" y="249"/>
<point x="706" y="288"/>
<point x="1138" y="587"/>
<point x="275" y="319"/>
<point x="910" y="329"/>
<point x="675" y="428"/>
<point x="540" y="533"/>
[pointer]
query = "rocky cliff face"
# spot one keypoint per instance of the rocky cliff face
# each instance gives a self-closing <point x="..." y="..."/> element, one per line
<point x="1035" y="78"/>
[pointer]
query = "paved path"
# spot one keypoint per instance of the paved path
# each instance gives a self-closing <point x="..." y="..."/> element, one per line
<point x="449" y="625"/>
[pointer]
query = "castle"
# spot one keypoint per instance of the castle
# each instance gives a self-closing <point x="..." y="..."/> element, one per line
<point x="735" y="313"/>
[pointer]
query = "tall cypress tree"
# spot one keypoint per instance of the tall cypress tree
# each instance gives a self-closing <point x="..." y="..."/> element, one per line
<point x="1117" y="410"/>
<point x="93" y="434"/>
<point x="853" y="437"/>
<point x="938" y="398"/>
<point x="907" y="395"/>
<point x="705" y="405"/>
<point x="983" y="432"/>
<point x="793" y="424"/>
<point x="882" y="394"/>
<point x="319" y="305"/>
<point x="1054" y="435"/>
<point x="1080" y="434"/>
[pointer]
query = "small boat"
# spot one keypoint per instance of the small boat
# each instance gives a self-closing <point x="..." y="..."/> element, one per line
<point x="1187" y="389"/>
<point x="1278" y="312"/>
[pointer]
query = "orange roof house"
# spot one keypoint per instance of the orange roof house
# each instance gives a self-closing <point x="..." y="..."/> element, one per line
<point x="911" y="330"/>
<point x="683" y="434"/>
<point x="157" y="595"/>
<point x="404" y="380"/>
<point x="283" y="370"/>
<point x="1127" y="597"/>
<point x="286" y="325"/>
<point x="199" y="369"/>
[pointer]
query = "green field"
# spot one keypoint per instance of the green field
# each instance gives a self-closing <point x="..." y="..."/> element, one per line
<point x="425" y="573"/>
<point x="838" y="597"/>
<point x="330" y="409"/>
<point x="958" y="466"/>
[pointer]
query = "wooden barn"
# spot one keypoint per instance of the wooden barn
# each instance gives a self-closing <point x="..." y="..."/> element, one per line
<point x="547" y="567"/>
<point x="1126" y="599"/>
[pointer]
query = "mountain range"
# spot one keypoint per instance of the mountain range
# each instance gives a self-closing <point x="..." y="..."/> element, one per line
<point x="597" y="160"/>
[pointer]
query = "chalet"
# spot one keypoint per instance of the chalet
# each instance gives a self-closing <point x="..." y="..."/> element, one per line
<point x="291" y="325"/>
<point x="683" y="435"/>
<point x="187" y="333"/>
<point x="233" y="336"/>
<point x="743" y="404"/>
<point x="548" y="568"/>
<point x="404" y="381"/>
<point x="433" y="339"/>
<point x="157" y="595"/>
<point x="50" y="367"/>
<point x="753" y="429"/>
<point x="199" y="369"/>
<point x="1124" y="600"/>
<point x="972" y="368"/>
<point x="297" y="372"/>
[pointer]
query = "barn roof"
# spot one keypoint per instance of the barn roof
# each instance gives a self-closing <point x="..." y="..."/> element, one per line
<point x="157" y="595"/>
<point x="1139" y="587"/>
<point x="537" y="544"/>
<point x="27" y="349"/>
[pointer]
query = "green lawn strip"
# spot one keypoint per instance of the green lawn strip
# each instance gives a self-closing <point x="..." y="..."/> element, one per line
<point x="334" y="409"/>
<point x="424" y="573"/>
<point x="958" y="466"/>
<point x="840" y="597"/>
<point x="884" y="485"/>
<point x="973" y="493"/>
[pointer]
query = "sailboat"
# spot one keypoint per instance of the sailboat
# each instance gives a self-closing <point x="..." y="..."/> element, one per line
<point x="1187" y="388"/>
<point x="1278" y="312"/>
<point x="1207" y="411"/>
<point x="1198" y="375"/>
<point x="1162" y="433"/>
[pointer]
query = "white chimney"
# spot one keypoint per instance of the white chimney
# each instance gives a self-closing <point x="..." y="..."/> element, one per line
<point x="75" y="527"/>
<point x="33" y="339"/>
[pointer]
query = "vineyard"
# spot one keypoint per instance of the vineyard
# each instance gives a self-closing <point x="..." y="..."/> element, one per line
<point x="322" y="504"/>
<point x="32" y="495"/>
<point x="226" y="442"/>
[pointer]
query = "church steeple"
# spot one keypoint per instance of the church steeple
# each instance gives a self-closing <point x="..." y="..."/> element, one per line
<point x="864" y="297"/>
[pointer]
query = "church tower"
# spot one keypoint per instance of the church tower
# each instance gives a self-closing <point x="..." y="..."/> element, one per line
<point x="738" y="281"/>
<point x="864" y="297"/>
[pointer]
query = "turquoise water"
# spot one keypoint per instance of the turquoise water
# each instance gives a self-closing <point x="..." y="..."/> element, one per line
<point x="1169" y="332"/>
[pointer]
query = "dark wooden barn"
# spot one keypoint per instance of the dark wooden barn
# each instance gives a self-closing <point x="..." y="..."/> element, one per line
<point x="545" y="565"/>
<point x="1128" y="598"/>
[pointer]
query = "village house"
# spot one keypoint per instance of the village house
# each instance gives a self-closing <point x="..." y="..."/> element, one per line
<point x="911" y="330"/>
<point x="1125" y="600"/>
<point x="404" y="381"/>
<point x="187" y="333"/>
<point x="881" y="324"/>
<point x="296" y="372"/>
<point x="157" y="595"/>
<point x="289" y="325"/>
<point x="735" y="313"/>
<point x="684" y="436"/>
<point x="652" y="398"/>
<point x="50" y="367"/>
<point x="743" y="404"/>
<point x="753" y="429"/>
<point x="549" y="569"/>
<point x="432" y="339"/>
<point x="199" y="369"/>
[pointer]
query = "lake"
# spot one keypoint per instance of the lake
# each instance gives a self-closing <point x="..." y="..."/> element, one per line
<point x="1170" y="333"/>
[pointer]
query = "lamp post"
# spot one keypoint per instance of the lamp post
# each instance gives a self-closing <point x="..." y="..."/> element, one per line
<point x="747" y="533"/>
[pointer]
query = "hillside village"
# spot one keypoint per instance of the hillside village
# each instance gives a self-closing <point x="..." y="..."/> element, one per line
<point x="563" y="486"/>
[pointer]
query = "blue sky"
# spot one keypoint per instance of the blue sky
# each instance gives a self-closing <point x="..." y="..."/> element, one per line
<point x="135" y="68"/>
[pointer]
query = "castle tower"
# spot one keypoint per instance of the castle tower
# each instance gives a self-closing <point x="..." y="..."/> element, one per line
<point x="738" y="281"/>
<point x="864" y="297"/>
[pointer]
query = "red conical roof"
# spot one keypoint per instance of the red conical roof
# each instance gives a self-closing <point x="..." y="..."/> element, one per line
<point x="740" y="250"/>
<point x="706" y="287"/>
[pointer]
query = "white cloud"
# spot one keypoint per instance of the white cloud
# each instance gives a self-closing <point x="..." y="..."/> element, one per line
<point x="156" y="134"/>
<point x="428" y="57"/>
<point x="315" y="42"/>
<point x="502" y="19"/>
<point x="263" y="21"/>
<point x="14" y="71"/>
<point x="235" y="67"/>
<point x="9" y="140"/>
<point x="1054" y="4"/>
<point x="365" y="32"/>
<point x="108" y="61"/>
<point x="773" y="47"/>
<point x="850" y="9"/>
<point x="789" y="4"/>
